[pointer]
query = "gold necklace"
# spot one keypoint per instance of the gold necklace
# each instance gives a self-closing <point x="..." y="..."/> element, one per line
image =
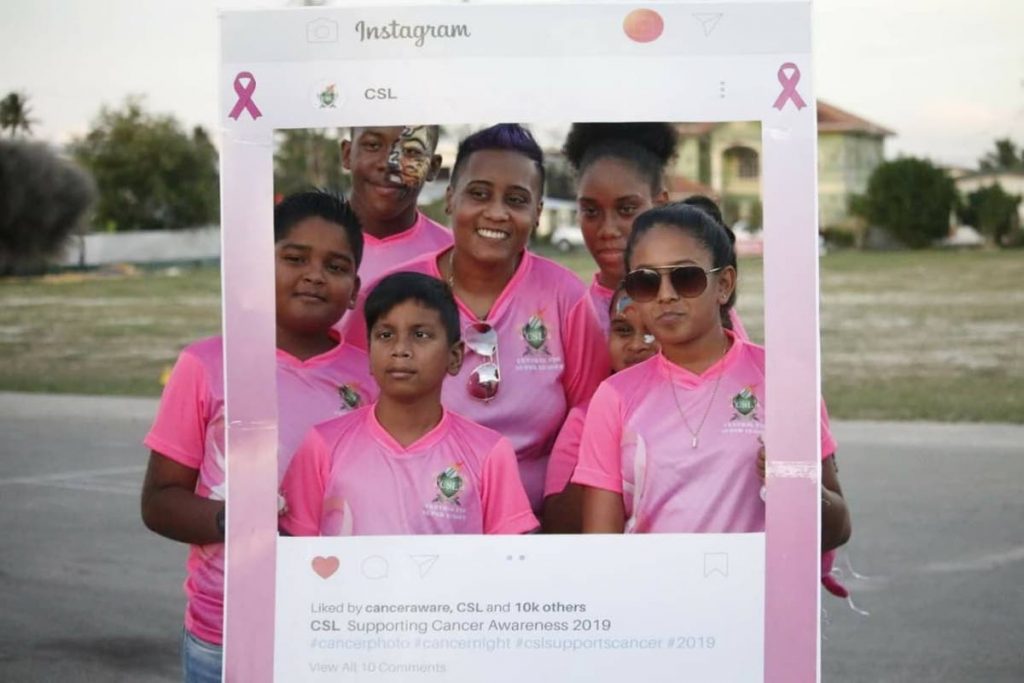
<point x="451" y="270"/>
<point x="714" y="393"/>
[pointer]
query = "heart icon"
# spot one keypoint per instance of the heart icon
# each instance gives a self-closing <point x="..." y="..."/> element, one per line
<point x="326" y="566"/>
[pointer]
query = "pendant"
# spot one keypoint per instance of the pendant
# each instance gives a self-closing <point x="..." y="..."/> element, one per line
<point x="693" y="444"/>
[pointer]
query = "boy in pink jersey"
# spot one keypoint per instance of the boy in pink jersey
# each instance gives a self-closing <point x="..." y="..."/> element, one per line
<point x="389" y="166"/>
<point x="629" y="343"/>
<point x="406" y="465"/>
<point x="318" y="246"/>
<point x="671" y="444"/>
<point x="620" y="170"/>
<point x="533" y="348"/>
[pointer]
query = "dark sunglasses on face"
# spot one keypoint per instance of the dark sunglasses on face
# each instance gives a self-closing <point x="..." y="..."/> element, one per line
<point x="689" y="282"/>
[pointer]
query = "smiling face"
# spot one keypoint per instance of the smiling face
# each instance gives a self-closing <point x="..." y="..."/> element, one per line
<point x="315" y="275"/>
<point x="629" y="342"/>
<point x="673" y="319"/>
<point x="495" y="204"/>
<point x="389" y="166"/>
<point x="409" y="352"/>
<point x="611" y="193"/>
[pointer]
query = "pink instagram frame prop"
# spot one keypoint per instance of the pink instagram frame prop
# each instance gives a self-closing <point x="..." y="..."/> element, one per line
<point x="760" y="51"/>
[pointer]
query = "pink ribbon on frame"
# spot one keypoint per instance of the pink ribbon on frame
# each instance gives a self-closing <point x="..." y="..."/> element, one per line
<point x="789" y="83"/>
<point x="244" y="93"/>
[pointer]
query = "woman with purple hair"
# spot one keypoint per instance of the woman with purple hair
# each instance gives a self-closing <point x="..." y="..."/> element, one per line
<point x="532" y="349"/>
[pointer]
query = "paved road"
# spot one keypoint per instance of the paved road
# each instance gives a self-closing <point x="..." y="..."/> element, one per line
<point x="88" y="594"/>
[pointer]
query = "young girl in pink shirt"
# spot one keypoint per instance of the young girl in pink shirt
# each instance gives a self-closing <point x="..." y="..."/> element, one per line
<point x="620" y="173"/>
<point x="318" y="246"/>
<point x="671" y="444"/>
<point x="533" y="349"/>
<point x="629" y="343"/>
<point x="406" y="465"/>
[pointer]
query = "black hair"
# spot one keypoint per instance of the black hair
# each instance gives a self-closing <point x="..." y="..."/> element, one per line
<point x="428" y="291"/>
<point x="648" y="147"/>
<point x="331" y="207"/>
<point x="698" y="224"/>
<point x="509" y="137"/>
<point x="708" y="206"/>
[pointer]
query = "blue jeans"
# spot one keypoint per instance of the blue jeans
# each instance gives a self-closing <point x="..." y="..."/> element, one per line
<point x="200" y="660"/>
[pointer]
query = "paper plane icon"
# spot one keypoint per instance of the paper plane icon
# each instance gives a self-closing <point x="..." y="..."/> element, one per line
<point x="708" y="20"/>
<point x="424" y="563"/>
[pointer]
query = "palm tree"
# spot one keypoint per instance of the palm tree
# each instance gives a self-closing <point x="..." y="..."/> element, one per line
<point x="14" y="114"/>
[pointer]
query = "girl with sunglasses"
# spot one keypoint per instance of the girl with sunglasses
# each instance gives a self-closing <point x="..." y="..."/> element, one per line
<point x="620" y="174"/>
<point x="672" y="444"/>
<point x="533" y="349"/>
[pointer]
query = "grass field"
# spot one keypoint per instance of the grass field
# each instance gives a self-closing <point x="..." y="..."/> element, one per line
<point x="907" y="335"/>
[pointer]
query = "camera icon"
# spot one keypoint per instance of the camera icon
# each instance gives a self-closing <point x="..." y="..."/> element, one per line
<point x="322" y="31"/>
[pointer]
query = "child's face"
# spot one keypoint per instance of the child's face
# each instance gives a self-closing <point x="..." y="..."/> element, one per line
<point x="389" y="166"/>
<point x="315" y="274"/>
<point x="674" y="319"/>
<point x="409" y="352"/>
<point x="629" y="342"/>
<point x="611" y="194"/>
<point x="495" y="205"/>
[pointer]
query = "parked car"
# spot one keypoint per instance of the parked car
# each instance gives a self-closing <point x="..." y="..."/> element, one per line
<point x="567" y="237"/>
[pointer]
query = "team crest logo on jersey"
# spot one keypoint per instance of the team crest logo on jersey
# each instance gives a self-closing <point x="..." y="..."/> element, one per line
<point x="745" y="405"/>
<point x="535" y="333"/>
<point x="449" y="485"/>
<point x="350" y="398"/>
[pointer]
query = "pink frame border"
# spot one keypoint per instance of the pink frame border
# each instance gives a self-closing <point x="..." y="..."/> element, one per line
<point x="792" y="603"/>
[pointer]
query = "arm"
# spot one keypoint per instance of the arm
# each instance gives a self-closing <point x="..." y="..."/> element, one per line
<point x="563" y="512"/>
<point x="171" y="508"/>
<point x="506" y="509"/>
<point x="835" y="516"/>
<point x="603" y="511"/>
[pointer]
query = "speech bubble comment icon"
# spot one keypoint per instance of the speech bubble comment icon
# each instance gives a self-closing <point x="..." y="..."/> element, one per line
<point x="375" y="567"/>
<point x="325" y="566"/>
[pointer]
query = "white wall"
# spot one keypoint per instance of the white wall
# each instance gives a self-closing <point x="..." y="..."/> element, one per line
<point x="151" y="246"/>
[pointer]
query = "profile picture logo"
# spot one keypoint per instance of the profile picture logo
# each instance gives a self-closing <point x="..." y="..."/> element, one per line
<point x="643" y="25"/>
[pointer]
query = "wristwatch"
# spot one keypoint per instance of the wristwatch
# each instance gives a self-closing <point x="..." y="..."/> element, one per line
<point x="221" y="525"/>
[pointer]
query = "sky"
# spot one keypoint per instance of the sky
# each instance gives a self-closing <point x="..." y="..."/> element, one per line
<point x="947" y="76"/>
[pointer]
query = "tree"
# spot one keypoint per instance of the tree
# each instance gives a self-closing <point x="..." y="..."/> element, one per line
<point x="992" y="211"/>
<point x="43" y="198"/>
<point x="306" y="158"/>
<point x="151" y="174"/>
<point x="909" y="198"/>
<point x="1005" y="157"/>
<point x="14" y="114"/>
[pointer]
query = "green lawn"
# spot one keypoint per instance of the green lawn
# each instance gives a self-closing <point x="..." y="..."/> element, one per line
<point x="907" y="335"/>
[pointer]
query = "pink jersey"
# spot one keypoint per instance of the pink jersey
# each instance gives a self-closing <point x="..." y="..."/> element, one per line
<point x="189" y="429"/>
<point x="551" y="354"/>
<point x="381" y="255"/>
<point x="634" y="442"/>
<point x="350" y="477"/>
<point x="565" y="452"/>
<point x="601" y="300"/>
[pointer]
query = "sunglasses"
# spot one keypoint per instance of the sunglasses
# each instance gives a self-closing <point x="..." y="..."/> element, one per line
<point x="482" y="339"/>
<point x="689" y="282"/>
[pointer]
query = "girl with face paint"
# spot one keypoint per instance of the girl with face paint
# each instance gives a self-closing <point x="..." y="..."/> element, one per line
<point x="533" y="349"/>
